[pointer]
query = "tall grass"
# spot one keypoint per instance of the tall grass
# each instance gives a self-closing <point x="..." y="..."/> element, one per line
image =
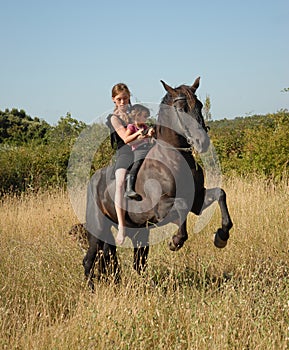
<point x="197" y="298"/>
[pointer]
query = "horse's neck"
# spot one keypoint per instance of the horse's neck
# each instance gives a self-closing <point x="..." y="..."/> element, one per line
<point x="167" y="135"/>
<point x="167" y="127"/>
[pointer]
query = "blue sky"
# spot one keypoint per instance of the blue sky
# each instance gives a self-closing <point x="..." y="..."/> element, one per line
<point x="64" y="56"/>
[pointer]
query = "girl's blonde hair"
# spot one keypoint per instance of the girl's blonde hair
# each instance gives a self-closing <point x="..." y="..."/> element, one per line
<point x="117" y="89"/>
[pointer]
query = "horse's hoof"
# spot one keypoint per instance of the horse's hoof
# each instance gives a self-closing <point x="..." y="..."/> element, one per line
<point x="172" y="247"/>
<point x="221" y="238"/>
<point x="175" y="246"/>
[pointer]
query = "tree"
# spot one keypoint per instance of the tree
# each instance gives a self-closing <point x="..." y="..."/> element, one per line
<point x="19" y="128"/>
<point x="67" y="129"/>
<point x="206" y="109"/>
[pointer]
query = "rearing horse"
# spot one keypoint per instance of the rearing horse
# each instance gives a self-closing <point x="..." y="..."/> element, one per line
<point x="170" y="182"/>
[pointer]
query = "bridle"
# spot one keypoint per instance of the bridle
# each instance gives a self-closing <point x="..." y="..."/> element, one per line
<point x="181" y="127"/>
<point x="182" y="97"/>
<point x="184" y="127"/>
<point x="179" y="98"/>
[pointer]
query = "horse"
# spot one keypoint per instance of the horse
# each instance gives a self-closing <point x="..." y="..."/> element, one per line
<point x="170" y="182"/>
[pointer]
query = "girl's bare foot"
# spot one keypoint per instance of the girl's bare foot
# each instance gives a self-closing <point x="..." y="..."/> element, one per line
<point x="120" y="235"/>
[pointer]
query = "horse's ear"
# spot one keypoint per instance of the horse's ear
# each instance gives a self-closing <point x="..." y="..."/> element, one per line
<point x="169" y="89"/>
<point x="196" y="84"/>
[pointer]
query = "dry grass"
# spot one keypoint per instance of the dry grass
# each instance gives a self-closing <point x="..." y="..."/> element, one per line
<point x="200" y="298"/>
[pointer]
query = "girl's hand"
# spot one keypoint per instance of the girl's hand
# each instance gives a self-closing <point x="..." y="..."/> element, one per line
<point x="140" y="135"/>
<point x="151" y="132"/>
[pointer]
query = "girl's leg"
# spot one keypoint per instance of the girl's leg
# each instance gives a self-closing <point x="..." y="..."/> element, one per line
<point x="120" y="204"/>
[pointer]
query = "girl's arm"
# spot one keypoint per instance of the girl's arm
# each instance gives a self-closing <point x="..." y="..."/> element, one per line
<point x="126" y="134"/>
<point x="132" y="136"/>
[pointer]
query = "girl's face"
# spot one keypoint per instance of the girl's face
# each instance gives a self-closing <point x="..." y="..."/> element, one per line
<point x="121" y="101"/>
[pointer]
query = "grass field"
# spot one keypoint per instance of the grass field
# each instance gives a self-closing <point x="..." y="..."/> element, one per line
<point x="202" y="297"/>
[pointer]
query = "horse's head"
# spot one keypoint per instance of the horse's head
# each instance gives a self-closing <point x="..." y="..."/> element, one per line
<point x="185" y="114"/>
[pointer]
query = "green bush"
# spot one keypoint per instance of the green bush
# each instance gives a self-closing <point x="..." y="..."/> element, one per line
<point x="32" y="167"/>
<point x="257" y="144"/>
<point x="34" y="154"/>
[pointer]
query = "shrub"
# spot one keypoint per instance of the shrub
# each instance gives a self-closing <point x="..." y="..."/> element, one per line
<point x="256" y="144"/>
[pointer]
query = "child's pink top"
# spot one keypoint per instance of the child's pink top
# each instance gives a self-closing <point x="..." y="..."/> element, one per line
<point x="133" y="128"/>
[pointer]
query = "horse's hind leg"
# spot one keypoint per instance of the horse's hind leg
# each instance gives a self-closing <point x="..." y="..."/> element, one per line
<point x="222" y="235"/>
<point x="108" y="264"/>
<point x="141" y="251"/>
<point x="93" y="254"/>
<point x="140" y="256"/>
<point x="100" y="261"/>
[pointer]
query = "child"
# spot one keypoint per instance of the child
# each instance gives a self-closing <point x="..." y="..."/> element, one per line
<point x="140" y="146"/>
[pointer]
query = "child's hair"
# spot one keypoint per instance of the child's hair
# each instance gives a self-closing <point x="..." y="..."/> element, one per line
<point x="137" y="109"/>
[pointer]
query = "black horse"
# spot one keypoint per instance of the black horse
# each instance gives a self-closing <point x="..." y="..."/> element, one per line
<point x="170" y="182"/>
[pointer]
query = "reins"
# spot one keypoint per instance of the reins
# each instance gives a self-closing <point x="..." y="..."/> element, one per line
<point x="184" y="149"/>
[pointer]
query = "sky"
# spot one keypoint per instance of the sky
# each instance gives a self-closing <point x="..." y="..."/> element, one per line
<point x="60" y="57"/>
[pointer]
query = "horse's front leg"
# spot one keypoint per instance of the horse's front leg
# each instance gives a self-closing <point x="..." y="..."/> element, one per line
<point x="222" y="235"/>
<point x="179" y="238"/>
<point x="181" y="211"/>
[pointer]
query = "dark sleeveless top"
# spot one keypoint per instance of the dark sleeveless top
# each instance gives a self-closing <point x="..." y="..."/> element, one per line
<point x="124" y="154"/>
<point x="115" y="139"/>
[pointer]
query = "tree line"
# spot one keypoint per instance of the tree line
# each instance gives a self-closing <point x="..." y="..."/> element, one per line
<point x="253" y="145"/>
<point x="35" y="154"/>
